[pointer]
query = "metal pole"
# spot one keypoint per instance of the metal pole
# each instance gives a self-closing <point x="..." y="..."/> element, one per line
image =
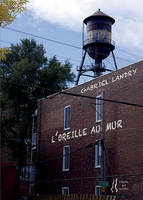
<point x="82" y="38"/>
<point x="103" y="146"/>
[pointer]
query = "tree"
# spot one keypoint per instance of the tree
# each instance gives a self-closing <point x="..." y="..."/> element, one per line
<point x="9" y="9"/>
<point x="25" y="74"/>
<point x="3" y="51"/>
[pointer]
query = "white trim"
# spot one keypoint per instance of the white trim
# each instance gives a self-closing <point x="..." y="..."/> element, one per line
<point x="63" y="168"/>
<point x="65" y="108"/>
<point x="65" y="188"/>
<point x="98" y="109"/>
<point x="98" y="155"/>
<point x="96" y="188"/>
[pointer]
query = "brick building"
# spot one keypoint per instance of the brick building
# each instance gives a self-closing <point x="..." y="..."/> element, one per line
<point x="8" y="174"/>
<point x="75" y="131"/>
<point x="13" y="184"/>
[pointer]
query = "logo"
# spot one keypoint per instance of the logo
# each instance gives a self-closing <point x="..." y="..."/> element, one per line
<point x="114" y="185"/>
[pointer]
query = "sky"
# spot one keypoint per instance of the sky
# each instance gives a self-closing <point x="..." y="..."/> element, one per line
<point x="62" y="21"/>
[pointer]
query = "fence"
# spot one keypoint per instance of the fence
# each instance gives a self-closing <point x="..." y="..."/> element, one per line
<point x="75" y="197"/>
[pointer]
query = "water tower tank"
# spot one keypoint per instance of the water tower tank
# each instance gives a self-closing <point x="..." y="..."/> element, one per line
<point x="98" y="41"/>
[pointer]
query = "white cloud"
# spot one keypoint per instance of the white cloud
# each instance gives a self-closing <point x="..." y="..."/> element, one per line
<point x="127" y="31"/>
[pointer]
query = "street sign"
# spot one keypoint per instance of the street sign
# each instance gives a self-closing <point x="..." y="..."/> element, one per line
<point x="104" y="183"/>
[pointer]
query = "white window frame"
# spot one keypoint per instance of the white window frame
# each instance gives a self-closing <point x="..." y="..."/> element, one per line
<point x="34" y="130"/>
<point x="65" y="159"/>
<point x="97" y="190"/>
<point x="98" y="152"/>
<point x="65" y="188"/>
<point x="99" y="108"/>
<point x="34" y="141"/>
<point x="25" y="172"/>
<point x="67" y="120"/>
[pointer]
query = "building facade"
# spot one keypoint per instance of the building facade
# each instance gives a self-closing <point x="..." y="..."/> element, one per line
<point x="8" y="174"/>
<point x="90" y="137"/>
<point x="12" y="183"/>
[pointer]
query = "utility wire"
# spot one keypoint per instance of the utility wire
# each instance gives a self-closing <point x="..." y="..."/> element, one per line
<point x="40" y="37"/>
<point x="88" y="136"/>
<point x="102" y="99"/>
<point x="69" y="58"/>
<point x="49" y="140"/>
<point x="82" y="96"/>
<point x="128" y="53"/>
<point x="94" y="177"/>
<point x="58" y="42"/>
<point x="89" y="146"/>
<point x="94" y="98"/>
<point x="112" y="175"/>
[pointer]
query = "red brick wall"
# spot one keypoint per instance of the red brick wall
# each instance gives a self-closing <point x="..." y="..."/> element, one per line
<point x="8" y="174"/>
<point x="123" y="145"/>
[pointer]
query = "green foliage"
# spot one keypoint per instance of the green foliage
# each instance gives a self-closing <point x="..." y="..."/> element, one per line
<point x="55" y="76"/>
<point x="18" y="72"/>
<point x="25" y="73"/>
<point x="9" y="9"/>
<point x="3" y="51"/>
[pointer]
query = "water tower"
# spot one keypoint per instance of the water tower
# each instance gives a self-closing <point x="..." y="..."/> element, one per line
<point x="98" y="43"/>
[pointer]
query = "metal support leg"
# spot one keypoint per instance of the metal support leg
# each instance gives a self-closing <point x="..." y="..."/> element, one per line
<point x="80" y="69"/>
<point x="114" y="60"/>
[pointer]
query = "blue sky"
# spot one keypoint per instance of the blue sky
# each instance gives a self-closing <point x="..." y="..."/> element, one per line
<point x="61" y="20"/>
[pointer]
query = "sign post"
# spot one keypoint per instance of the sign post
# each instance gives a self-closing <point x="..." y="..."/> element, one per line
<point x="104" y="183"/>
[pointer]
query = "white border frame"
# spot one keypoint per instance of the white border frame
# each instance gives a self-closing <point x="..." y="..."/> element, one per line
<point x="63" y="188"/>
<point x="63" y="169"/>
<point x="99" y="113"/>
<point x="68" y="106"/>
<point x="97" y="186"/>
<point x="98" y="145"/>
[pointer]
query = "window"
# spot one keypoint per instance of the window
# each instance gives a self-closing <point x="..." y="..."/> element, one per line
<point x="34" y="155"/>
<point x="34" y="141"/>
<point x="66" y="158"/>
<point x="67" y="117"/>
<point x="98" y="155"/>
<point x="34" y="130"/>
<point x="65" y="190"/>
<point x="34" y="122"/>
<point x="97" y="190"/>
<point x="25" y="172"/>
<point x="98" y="109"/>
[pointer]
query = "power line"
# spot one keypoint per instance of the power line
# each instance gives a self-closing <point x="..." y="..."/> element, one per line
<point x="128" y="53"/>
<point x="92" y="177"/>
<point x="101" y="99"/>
<point x="58" y="42"/>
<point x="60" y="56"/>
<point x="55" y="92"/>
<point x="5" y="42"/>
<point x="94" y="98"/>
<point x="89" y="97"/>
<point x="41" y="37"/>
